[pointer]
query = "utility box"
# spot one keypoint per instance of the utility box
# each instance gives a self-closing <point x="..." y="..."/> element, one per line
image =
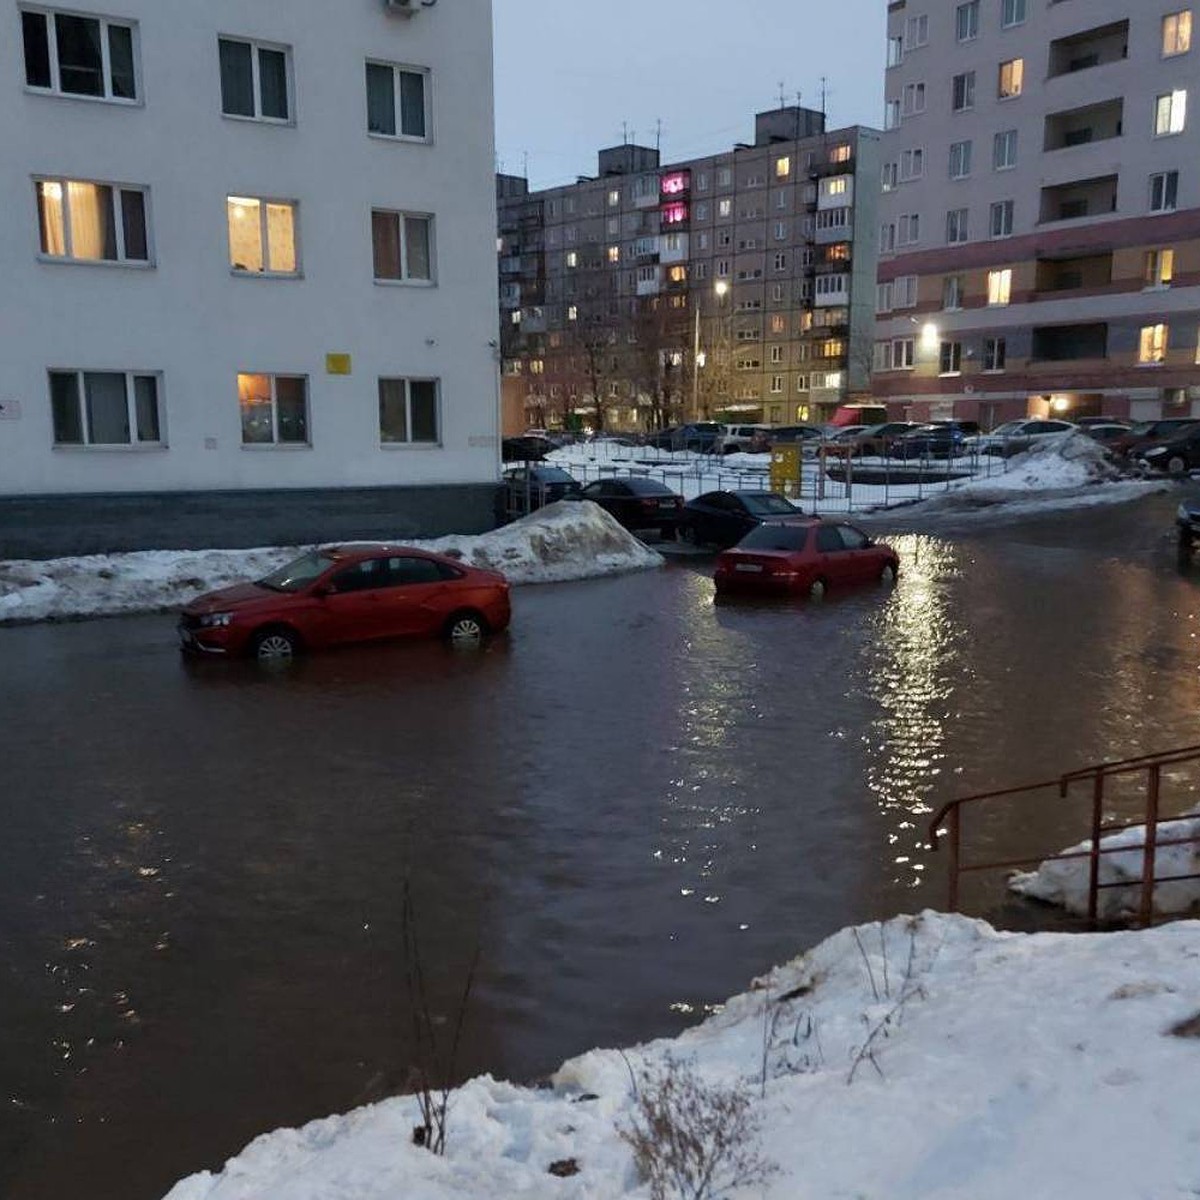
<point x="786" y="465"/>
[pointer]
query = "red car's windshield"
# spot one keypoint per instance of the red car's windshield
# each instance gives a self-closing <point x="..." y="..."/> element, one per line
<point x="297" y="575"/>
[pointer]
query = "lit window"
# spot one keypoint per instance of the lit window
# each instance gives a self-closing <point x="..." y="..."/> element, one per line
<point x="572" y="258"/>
<point x="1160" y="268"/>
<point x="408" y="410"/>
<point x="614" y="198"/>
<point x="105" y="408"/>
<point x="724" y="208"/>
<point x="678" y="274"/>
<point x="614" y="254"/>
<point x="783" y="167"/>
<point x="274" y="409"/>
<point x="80" y="56"/>
<point x="572" y="312"/>
<point x="999" y="285"/>
<point x="1164" y="191"/>
<point x="255" y="81"/>
<point x="1152" y="346"/>
<point x="840" y="153"/>
<point x="1177" y="33"/>
<point x="397" y="99"/>
<point x="1012" y="78"/>
<point x="262" y="236"/>
<point x="403" y="247"/>
<point x="92" y="222"/>
<point x="1170" y="113"/>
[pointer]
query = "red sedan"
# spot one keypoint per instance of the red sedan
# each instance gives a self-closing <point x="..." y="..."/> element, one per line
<point x="804" y="556"/>
<point x="344" y="594"/>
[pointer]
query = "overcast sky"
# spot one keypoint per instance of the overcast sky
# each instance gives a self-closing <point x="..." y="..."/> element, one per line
<point x="568" y="72"/>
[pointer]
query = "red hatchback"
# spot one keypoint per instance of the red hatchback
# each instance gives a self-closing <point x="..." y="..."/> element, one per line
<point x="804" y="556"/>
<point x="343" y="594"/>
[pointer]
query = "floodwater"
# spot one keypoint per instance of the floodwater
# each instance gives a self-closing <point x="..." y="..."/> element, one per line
<point x="631" y="805"/>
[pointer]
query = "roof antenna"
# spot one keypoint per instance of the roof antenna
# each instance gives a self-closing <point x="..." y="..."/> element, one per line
<point x="525" y="164"/>
<point x="658" y="135"/>
<point x="624" y="133"/>
<point x="824" y="94"/>
<point x="782" y="97"/>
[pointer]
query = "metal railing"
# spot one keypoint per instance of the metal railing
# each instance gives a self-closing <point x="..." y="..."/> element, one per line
<point x="1146" y="770"/>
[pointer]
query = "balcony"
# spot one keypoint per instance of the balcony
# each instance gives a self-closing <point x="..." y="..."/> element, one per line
<point x="1073" y="273"/>
<point x="1081" y="126"/>
<point x="1092" y="48"/>
<point x="1070" y="343"/>
<point x="1081" y="198"/>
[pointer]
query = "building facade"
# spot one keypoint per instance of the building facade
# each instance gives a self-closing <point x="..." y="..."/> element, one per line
<point x="736" y="286"/>
<point x="246" y="246"/>
<point x="1040" y="218"/>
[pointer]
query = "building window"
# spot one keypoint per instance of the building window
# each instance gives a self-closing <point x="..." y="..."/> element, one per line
<point x="916" y="32"/>
<point x="397" y="100"/>
<point x="841" y="153"/>
<point x="891" y="114"/>
<point x="895" y="51"/>
<point x="105" y="408"/>
<point x="614" y="254"/>
<point x="957" y="222"/>
<point x="914" y="99"/>
<point x="1152" y="346"/>
<point x="614" y="198"/>
<point x="909" y="229"/>
<point x="960" y="160"/>
<point x="963" y="91"/>
<point x="403" y="246"/>
<point x="883" y="297"/>
<point x="778" y="325"/>
<point x="408" y="411"/>
<point x="262" y="236"/>
<point x="966" y="21"/>
<point x="92" y="222"/>
<point x="904" y="291"/>
<point x="1004" y="150"/>
<point x="1177" y="33"/>
<point x="952" y="293"/>
<point x="887" y="237"/>
<point x="572" y="312"/>
<point x="950" y="358"/>
<point x="724" y="208"/>
<point x="780" y="262"/>
<point x="999" y="285"/>
<point x="1002" y="218"/>
<point x="1170" y="113"/>
<point x="725" y="177"/>
<point x="995" y="352"/>
<point x="1012" y="78"/>
<point x="783" y="167"/>
<point x="274" y="410"/>
<point x="255" y="80"/>
<point x="1012" y="12"/>
<point x="904" y="354"/>
<point x="912" y="165"/>
<point x="1159" y="268"/>
<point x="1164" y="191"/>
<point x="572" y="258"/>
<point x="776" y="384"/>
<point x="73" y="55"/>
<point x="890" y="176"/>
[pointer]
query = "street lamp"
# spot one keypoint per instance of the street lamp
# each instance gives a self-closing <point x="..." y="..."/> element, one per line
<point x="699" y="358"/>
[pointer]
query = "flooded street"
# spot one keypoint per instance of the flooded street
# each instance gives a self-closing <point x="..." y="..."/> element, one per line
<point x="632" y="804"/>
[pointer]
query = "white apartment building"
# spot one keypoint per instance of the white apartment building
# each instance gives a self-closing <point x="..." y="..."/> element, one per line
<point x="1040" y="220"/>
<point x="246" y="245"/>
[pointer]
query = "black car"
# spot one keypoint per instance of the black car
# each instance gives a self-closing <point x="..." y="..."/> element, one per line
<point x="789" y="435"/>
<point x="525" y="449"/>
<point x="931" y="441"/>
<point x="1176" y="454"/>
<point x="637" y="503"/>
<point x="525" y="489"/>
<point x="700" y="436"/>
<point x="662" y="439"/>
<point x="724" y="518"/>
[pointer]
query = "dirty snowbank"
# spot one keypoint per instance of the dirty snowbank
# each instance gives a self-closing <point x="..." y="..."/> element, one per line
<point x="984" y="1064"/>
<point x="1065" y="884"/>
<point x="561" y="542"/>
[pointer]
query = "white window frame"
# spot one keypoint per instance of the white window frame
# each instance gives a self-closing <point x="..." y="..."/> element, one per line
<point x="399" y="69"/>
<point x="958" y="226"/>
<point x="995" y="352"/>
<point x="275" y="443"/>
<point x="904" y="291"/>
<point x="257" y="44"/>
<point x="966" y="30"/>
<point x="131" y="408"/>
<point x="950" y="358"/>
<point x="408" y="380"/>
<point x="1177" y="33"/>
<point x="903" y="354"/>
<point x="264" y="241"/>
<point x="916" y="32"/>
<point x="1014" y="68"/>
<point x="913" y="97"/>
<point x="999" y="287"/>
<point x="1172" y="106"/>
<point x="912" y="164"/>
<point x="968" y="91"/>
<point x="405" y="279"/>
<point x="1006" y="209"/>
<point x="1008" y="140"/>
<point x="961" y="158"/>
<point x="908" y="231"/>
<point x="1012" y="13"/>
<point x="55" y="88"/>
<point x="1154" y="343"/>
<point x="1159" y="272"/>
<point x="1162" y="180"/>
<point x="137" y="264"/>
<point x="953" y="289"/>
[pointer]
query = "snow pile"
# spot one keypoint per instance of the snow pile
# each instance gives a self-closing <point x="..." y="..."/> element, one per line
<point x="1054" y="463"/>
<point x="563" y="541"/>
<point x="1065" y="884"/>
<point x="929" y="1057"/>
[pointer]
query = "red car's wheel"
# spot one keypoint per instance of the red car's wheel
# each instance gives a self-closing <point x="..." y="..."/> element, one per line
<point x="275" y="644"/>
<point x="466" y="629"/>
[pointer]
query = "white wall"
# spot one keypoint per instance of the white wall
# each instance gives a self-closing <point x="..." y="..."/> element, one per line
<point x="189" y="317"/>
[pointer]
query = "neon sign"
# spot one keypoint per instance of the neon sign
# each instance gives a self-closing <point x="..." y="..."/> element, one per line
<point x="676" y="183"/>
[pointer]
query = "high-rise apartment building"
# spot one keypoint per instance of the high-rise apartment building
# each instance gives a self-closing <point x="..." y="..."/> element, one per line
<point x="248" y="246"/>
<point x="1040" y="219"/>
<point x="737" y="285"/>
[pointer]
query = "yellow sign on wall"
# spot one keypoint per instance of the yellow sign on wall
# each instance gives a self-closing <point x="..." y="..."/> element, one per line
<point x="785" y="470"/>
<point x="337" y="364"/>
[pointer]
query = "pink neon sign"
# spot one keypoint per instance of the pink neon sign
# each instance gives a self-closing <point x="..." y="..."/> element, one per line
<point x="676" y="183"/>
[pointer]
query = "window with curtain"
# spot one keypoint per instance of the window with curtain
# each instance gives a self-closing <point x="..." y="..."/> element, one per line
<point x="255" y="80"/>
<point x="274" y="409"/>
<point x="80" y="55"/>
<point x="105" y="408"/>
<point x="92" y="222"/>
<point x="397" y="101"/>
<point x="262" y="235"/>
<point x="402" y="246"/>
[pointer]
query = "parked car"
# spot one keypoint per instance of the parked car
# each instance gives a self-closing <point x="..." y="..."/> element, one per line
<point x="859" y="415"/>
<point x="699" y="436"/>
<point x="527" y="448"/>
<point x="662" y="439"/>
<point x="804" y="557"/>
<point x="637" y="503"/>
<point x="724" y="518"/>
<point x="1146" y="433"/>
<point x="1174" y="455"/>
<point x="931" y="441"/>
<point x="1015" y="437"/>
<point x="808" y="437"/>
<point x="1087" y="422"/>
<point x="739" y="439"/>
<point x="527" y="488"/>
<point x="342" y="594"/>
<point x="877" y="440"/>
<point x="969" y="429"/>
<point x="1187" y="521"/>
<point x="1107" y="435"/>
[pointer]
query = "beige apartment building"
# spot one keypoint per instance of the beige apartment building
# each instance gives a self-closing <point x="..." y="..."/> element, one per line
<point x="737" y="286"/>
<point x="1040" y="215"/>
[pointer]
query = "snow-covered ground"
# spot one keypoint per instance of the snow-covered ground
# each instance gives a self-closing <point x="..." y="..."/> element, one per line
<point x="1065" y="883"/>
<point x="929" y="1057"/>
<point x="563" y="541"/>
<point x="1071" y="470"/>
